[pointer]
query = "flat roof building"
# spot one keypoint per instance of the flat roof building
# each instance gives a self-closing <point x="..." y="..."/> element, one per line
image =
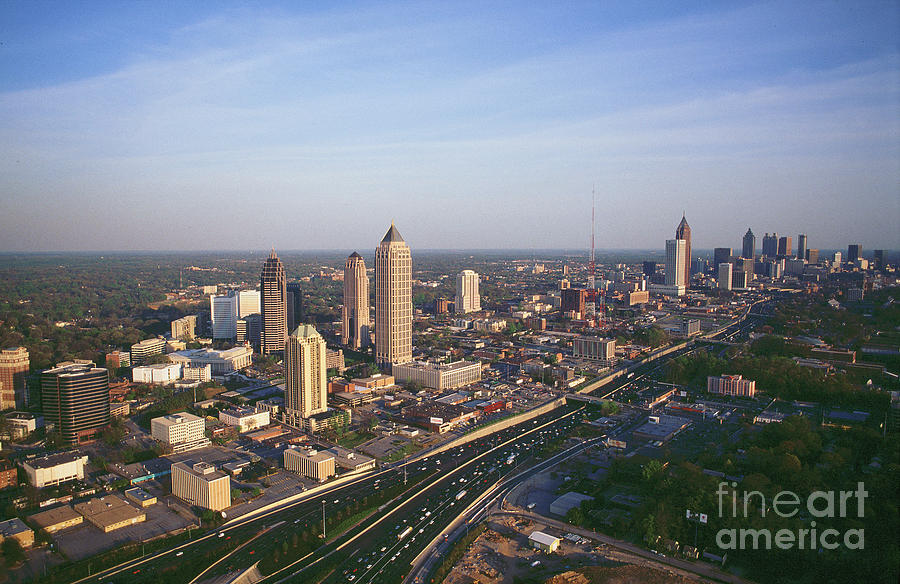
<point x="183" y="431"/>
<point x="16" y="529"/>
<point x="145" y="349"/>
<point x="246" y="419"/>
<point x="220" y="362"/>
<point x="731" y="385"/>
<point x="75" y="400"/>
<point x="56" y="519"/>
<point x="350" y="460"/>
<point x="202" y="485"/>
<point x="110" y="512"/>
<point x="440" y="376"/>
<point x="158" y="374"/>
<point x="317" y="465"/>
<point x="54" y="469"/>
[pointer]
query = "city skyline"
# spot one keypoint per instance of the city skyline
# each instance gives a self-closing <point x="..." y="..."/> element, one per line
<point x="779" y="117"/>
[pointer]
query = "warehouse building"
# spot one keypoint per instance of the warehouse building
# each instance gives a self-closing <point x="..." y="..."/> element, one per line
<point x="56" y="519"/>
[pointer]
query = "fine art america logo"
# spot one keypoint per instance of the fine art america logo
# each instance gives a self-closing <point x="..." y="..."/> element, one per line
<point x="788" y="504"/>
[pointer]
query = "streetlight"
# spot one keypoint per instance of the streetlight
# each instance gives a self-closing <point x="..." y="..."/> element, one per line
<point x="323" y="519"/>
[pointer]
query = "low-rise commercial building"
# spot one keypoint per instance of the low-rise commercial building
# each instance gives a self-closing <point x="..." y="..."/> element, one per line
<point x="317" y="465"/>
<point x="245" y="419"/>
<point x="438" y="417"/>
<point x="16" y="529"/>
<point x="56" y="519"/>
<point x="350" y="460"/>
<point x="543" y="541"/>
<point x="440" y="376"/>
<point x="220" y="362"/>
<point x="201" y="484"/>
<point x="140" y="497"/>
<point x="21" y="424"/>
<point x="110" y="512"/>
<point x="595" y="349"/>
<point x="158" y="374"/>
<point x="54" y="469"/>
<point x="731" y="385"/>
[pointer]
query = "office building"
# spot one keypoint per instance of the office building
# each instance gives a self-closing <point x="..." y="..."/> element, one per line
<point x="690" y="327"/>
<point x="748" y="247"/>
<point x="740" y="280"/>
<point x="185" y="328"/>
<point x="438" y="376"/>
<point x="731" y="385"/>
<point x="878" y="259"/>
<point x="21" y="424"/>
<point x="801" y="246"/>
<point x="683" y="233"/>
<point x="181" y="431"/>
<point x="220" y="362"/>
<point x="54" y="469"/>
<point x="573" y="300"/>
<point x="393" y="300"/>
<point x="117" y="359"/>
<point x="595" y="349"/>
<point x="785" y="246"/>
<point x="294" y="305"/>
<point x="721" y="255"/>
<point x="854" y="253"/>
<point x="311" y="463"/>
<point x="724" y="276"/>
<point x="675" y="264"/>
<point x="305" y="380"/>
<point x="649" y="269"/>
<point x="159" y="374"/>
<point x="249" y="329"/>
<point x="273" y="299"/>
<point x="467" y="297"/>
<point x="770" y="245"/>
<point x="75" y="400"/>
<point x="202" y="485"/>
<point x="200" y="373"/>
<point x="812" y="256"/>
<point x="145" y="349"/>
<point x="223" y="312"/>
<point x="246" y="419"/>
<point x="355" y="314"/>
<point x="247" y="303"/>
<point x="14" y="366"/>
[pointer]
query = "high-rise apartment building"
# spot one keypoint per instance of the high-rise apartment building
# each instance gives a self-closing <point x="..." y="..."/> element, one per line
<point x="801" y="246"/>
<point x="770" y="245"/>
<point x="294" y="305"/>
<point x="748" y="247"/>
<point x="393" y="300"/>
<point x="355" y="315"/>
<point x="223" y="311"/>
<point x="467" y="297"/>
<point x="675" y="265"/>
<point x="573" y="300"/>
<point x="273" y="300"/>
<point x="75" y="400"/>
<point x="785" y="246"/>
<point x="721" y="255"/>
<point x="683" y="232"/>
<point x="14" y="365"/>
<point x="854" y="253"/>
<point x="305" y="375"/>
<point x="248" y="303"/>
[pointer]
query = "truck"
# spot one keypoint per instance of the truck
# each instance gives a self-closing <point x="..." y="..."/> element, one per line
<point x="404" y="533"/>
<point x="460" y="494"/>
<point x="511" y="459"/>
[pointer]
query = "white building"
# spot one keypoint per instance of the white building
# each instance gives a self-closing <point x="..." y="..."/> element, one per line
<point x="221" y="362"/>
<point x="676" y="279"/>
<point x="145" y="349"/>
<point x="438" y="376"/>
<point x="467" y="297"/>
<point x="160" y="374"/>
<point x="724" y="276"/>
<point x="201" y="373"/>
<point x="54" y="469"/>
<point x="246" y="419"/>
<point x="224" y="314"/>
<point x="248" y="303"/>
<point x="182" y="431"/>
<point x="310" y="463"/>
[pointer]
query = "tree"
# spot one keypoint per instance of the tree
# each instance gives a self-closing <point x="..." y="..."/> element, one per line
<point x="13" y="553"/>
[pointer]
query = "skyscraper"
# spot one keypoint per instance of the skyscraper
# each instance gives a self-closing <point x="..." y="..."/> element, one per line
<point x="770" y="245"/>
<point x="75" y="400"/>
<point x="467" y="297"/>
<point x="801" y="246"/>
<point x="305" y="381"/>
<point x="785" y="246"/>
<point x="294" y="305"/>
<point x="14" y="365"/>
<point x="724" y="276"/>
<point x="721" y="255"/>
<point x="878" y="259"/>
<point x="675" y="252"/>
<point x="749" y="245"/>
<point x="248" y="303"/>
<point x="355" y="315"/>
<point x="683" y="232"/>
<point x="854" y="252"/>
<point x="273" y="300"/>
<point x="223" y="311"/>
<point x="393" y="300"/>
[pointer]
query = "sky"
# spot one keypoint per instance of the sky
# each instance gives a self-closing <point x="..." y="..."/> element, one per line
<point x="484" y="125"/>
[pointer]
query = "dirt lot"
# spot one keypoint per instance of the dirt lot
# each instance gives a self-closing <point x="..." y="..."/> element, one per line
<point x="502" y="556"/>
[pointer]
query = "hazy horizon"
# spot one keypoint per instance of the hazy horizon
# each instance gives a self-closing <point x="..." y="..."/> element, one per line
<point x="235" y="126"/>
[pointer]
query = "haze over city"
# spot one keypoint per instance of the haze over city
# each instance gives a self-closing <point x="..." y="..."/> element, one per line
<point x="228" y="126"/>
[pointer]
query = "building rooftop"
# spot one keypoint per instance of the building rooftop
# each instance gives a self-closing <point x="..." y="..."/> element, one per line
<point x="179" y="418"/>
<point x="53" y="516"/>
<point x="313" y="455"/>
<point x="139" y="494"/>
<point x="107" y="510"/>
<point x="12" y="527"/>
<point x="392" y="235"/>
<point x="204" y="470"/>
<point x="51" y="460"/>
<point x="543" y="538"/>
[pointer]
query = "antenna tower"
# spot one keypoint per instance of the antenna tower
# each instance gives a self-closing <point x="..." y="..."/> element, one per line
<point x="592" y="266"/>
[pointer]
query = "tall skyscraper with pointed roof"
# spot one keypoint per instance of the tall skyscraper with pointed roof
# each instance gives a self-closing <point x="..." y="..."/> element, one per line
<point x="273" y="305"/>
<point x="355" y="315"/>
<point x="748" y="249"/>
<point x="305" y="375"/>
<point x="393" y="300"/>
<point x="683" y="231"/>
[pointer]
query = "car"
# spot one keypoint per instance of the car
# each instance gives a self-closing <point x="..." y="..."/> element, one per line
<point x="179" y="554"/>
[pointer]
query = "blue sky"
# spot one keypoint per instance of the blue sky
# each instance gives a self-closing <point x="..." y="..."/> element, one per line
<point x="177" y="125"/>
